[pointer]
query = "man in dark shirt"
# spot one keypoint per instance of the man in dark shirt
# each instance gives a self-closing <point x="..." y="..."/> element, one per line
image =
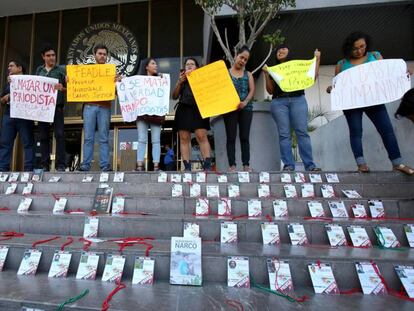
<point x="12" y="126"/>
<point x="52" y="70"/>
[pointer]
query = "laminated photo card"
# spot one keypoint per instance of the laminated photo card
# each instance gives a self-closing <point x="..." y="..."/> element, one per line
<point x="54" y="179"/>
<point x="290" y="191"/>
<point x="176" y="190"/>
<point x="263" y="191"/>
<point x="202" y="207"/>
<point x="3" y="177"/>
<point x="91" y="227"/>
<point x="191" y="230"/>
<point x="332" y="178"/>
<point x="104" y="177"/>
<point x="14" y="177"/>
<point x="280" y="208"/>
<point x="307" y="191"/>
<point x="322" y="277"/>
<point x="316" y="209"/>
<point x="195" y="190"/>
<point x="201" y="177"/>
<point x="338" y="209"/>
<point x="185" y="265"/>
<point x="376" y="208"/>
<point x="243" y="177"/>
<point x="406" y="276"/>
<point x="27" y="189"/>
<point x="60" y="205"/>
<point x="351" y="194"/>
<point x="228" y="232"/>
<point x="224" y="207"/>
<point x="270" y="233"/>
<point x="238" y="272"/>
<point x="254" y="208"/>
<point x="280" y="278"/>
<point x="162" y="177"/>
<point x="37" y="175"/>
<point x="264" y="177"/>
<point x="30" y="262"/>
<point x="11" y="189"/>
<point x="386" y="238"/>
<point x="222" y="178"/>
<point x="327" y="191"/>
<point x="409" y="232"/>
<point x="300" y="178"/>
<point x="119" y="176"/>
<point x="285" y="178"/>
<point x="143" y="271"/>
<point x="60" y="264"/>
<point x="24" y="205"/>
<point x="118" y="204"/>
<point x="336" y="235"/>
<point x="88" y="265"/>
<point x="3" y="255"/>
<point x="315" y="178"/>
<point x="233" y="191"/>
<point x="359" y="236"/>
<point x="297" y="234"/>
<point x="359" y="210"/>
<point x="371" y="283"/>
<point x="24" y="177"/>
<point x="87" y="178"/>
<point x="213" y="191"/>
<point x="114" y="268"/>
<point x="175" y="178"/>
<point x="187" y="178"/>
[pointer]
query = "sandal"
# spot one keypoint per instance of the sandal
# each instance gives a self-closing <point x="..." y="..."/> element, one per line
<point x="156" y="167"/>
<point x="404" y="169"/>
<point x="232" y="169"/>
<point x="247" y="168"/>
<point x="315" y="169"/>
<point x="140" y="167"/>
<point x="363" y="168"/>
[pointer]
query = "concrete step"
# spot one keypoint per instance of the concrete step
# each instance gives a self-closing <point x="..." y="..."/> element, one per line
<point x="46" y="294"/>
<point x="402" y="208"/>
<point x="167" y="225"/>
<point x="214" y="257"/>
<point x="247" y="190"/>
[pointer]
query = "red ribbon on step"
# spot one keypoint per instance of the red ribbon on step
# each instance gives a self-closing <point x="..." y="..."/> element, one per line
<point x="76" y="211"/>
<point x="269" y="218"/>
<point x="4" y="209"/>
<point x="70" y="241"/>
<point x="35" y="243"/>
<point x="239" y="217"/>
<point x="105" y="304"/>
<point x="131" y="241"/>
<point x="351" y="291"/>
<point x="235" y="304"/>
<point x="8" y="235"/>
<point x="86" y="243"/>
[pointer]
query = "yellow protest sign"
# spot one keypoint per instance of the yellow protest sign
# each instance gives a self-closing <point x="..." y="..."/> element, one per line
<point x="213" y="89"/>
<point x="294" y="75"/>
<point x="89" y="83"/>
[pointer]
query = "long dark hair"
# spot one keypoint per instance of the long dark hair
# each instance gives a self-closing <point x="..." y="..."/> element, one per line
<point x="406" y="107"/>
<point x="282" y="46"/>
<point x="145" y="63"/>
<point x="193" y="59"/>
<point x="349" y="41"/>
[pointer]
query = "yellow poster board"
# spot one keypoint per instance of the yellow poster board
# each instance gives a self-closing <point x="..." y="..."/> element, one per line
<point x="213" y="89"/>
<point x="294" y="75"/>
<point x="90" y="83"/>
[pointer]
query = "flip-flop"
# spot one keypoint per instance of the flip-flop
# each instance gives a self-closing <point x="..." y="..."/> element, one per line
<point x="404" y="169"/>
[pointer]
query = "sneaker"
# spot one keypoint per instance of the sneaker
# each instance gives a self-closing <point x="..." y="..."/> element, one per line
<point x="106" y="169"/>
<point x="187" y="166"/>
<point x="83" y="169"/>
<point x="207" y="164"/>
<point x="288" y="168"/>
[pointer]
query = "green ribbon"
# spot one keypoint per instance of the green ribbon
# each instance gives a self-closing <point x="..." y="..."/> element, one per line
<point x="381" y="242"/>
<point x="287" y="297"/>
<point x="72" y="300"/>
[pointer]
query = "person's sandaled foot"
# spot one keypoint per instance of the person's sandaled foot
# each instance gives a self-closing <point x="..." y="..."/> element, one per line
<point x="315" y="169"/>
<point x="404" y="169"/>
<point x="363" y="168"/>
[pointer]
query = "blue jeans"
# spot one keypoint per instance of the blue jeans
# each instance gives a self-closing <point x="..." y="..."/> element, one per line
<point x="95" y="116"/>
<point x="379" y="116"/>
<point x="292" y="112"/>
<point x="9" y="130"/>
<point x="142" y="127"/>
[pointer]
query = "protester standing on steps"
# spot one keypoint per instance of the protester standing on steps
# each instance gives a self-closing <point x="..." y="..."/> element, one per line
<point x="356" y="50"/>
<point x="290" y="110"/>
<point x="154" y="122"/>
<point x="51" y="70"/>
<point x="244" y="83"/>
<point x="97" y="115"/>
<point x="188" y="118"/>
<point x="12" y="126"/>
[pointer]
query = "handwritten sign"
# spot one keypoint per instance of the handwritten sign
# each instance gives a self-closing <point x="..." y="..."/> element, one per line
<point x="141" y="95"/>
<point x="294" y="75"/>
<point x="33" y="97"/>
<point x="213" y="89"/>
<point x="370" y="84"/>
<point x="89" y="83"/>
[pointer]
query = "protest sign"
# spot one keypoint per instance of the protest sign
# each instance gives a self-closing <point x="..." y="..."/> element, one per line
<point x="33" y="97"/>
<point x="213" y="89"/>
<point x="370" y="84"/>
<point x="91" y="83"/>
<point x="143" y="95"/>
<point x="294" y="75"/>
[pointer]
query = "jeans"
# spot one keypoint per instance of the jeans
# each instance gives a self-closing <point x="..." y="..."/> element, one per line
<point x="10" y="128"/>
<point x="142" y="127"/>
<point x="379" y="116"/>
<point x="244" y="119"/>
<point x="292" y="112"/>
<point x="95" y="116"/>
<point x="59" y="128"/>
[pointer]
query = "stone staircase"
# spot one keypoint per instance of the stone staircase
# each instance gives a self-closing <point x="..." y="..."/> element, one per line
<point x="151" y="211"/>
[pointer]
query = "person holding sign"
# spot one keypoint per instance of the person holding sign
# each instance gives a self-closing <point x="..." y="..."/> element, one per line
<point x="290" y="109"/>
<point x="188" y="118"/>
<point x="52" y="70"/>
<point x="12" y="126"/>
<point x="154" y="122"/>
<point x="97" y="115"/>
<point x="356" y="51"/>
<point x="244" y="83"/>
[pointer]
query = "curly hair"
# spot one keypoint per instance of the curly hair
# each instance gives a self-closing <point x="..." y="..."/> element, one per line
<point x="348" y="44"/>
